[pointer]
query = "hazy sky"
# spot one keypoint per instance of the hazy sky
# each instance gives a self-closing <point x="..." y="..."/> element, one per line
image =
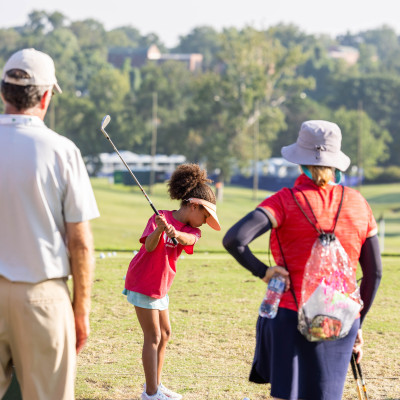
<point x="173" y="18"/>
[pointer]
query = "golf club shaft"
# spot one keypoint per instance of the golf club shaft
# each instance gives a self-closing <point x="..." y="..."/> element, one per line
<point x="354" y="369"/>
<point x="358" y="365"/>
<point x="134" y="177"/>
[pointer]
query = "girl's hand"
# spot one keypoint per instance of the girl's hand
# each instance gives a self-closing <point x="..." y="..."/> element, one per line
<point x="271" y="271"/>
<point x="161" y="222"/>
<point x="154" y="237"/>
<point x="357" y="348"/>
<point x="171" y="231"/>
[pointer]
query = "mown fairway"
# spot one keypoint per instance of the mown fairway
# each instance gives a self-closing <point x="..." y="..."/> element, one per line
<point x="213" y="309"/>
<point x="125" y="211"/>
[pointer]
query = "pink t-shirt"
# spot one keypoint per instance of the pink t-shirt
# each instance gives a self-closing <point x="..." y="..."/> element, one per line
<point x="297" y="236"/>
<point x="152" y="273"/>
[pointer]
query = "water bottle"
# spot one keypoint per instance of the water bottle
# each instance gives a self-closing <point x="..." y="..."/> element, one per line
<point x="270" y="303"/>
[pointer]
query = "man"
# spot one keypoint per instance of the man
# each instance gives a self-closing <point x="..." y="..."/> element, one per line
<point x="46" y="202"/>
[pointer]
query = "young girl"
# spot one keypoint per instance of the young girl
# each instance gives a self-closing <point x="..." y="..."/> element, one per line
<point x="152" y="270"/>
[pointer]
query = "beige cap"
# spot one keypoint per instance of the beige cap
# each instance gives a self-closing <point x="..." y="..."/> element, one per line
<point x="38" y="65"/>
<point x="212" y="220"/>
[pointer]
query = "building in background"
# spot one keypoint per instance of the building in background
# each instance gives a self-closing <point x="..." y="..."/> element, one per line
<point x="140" y="56"/>
<point x="140" y="164"/>
<point x="349" y="54"/>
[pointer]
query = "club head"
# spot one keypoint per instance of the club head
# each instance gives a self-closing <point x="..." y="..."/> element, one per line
<point x="106" y="120"/>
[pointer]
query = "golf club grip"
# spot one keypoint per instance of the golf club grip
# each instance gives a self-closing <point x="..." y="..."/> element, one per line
<point x="174" y="241"/>
<point x="353" y="367"/>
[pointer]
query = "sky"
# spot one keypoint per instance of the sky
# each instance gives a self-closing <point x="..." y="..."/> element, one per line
<point x="170" y="19"/>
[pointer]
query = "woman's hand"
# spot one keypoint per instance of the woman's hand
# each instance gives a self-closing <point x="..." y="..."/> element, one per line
<point x="357" y="348"/>
<point x="271" y="271"/>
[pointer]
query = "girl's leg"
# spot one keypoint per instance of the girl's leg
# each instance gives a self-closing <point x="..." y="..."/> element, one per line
<point x="165" y="327"/>
<point x="150" y="322"/>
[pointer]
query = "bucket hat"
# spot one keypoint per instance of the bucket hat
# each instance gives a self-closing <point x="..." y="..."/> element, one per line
<point x="38" y="65"/>
<point x="318" y="143"/>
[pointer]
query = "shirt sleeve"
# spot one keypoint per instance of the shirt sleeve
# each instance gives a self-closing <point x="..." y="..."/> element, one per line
<point x="273" y="207"/>
<point x="197" y="234"/>
<point x="79" y="203"/>
<point x="150" y="227"/>
<point x="372" y="225"/>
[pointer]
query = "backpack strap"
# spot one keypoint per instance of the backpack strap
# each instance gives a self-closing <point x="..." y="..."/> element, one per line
<point x="285" y="265"/>
<point x="320" y="231"/>
<point x="330" y="236"/>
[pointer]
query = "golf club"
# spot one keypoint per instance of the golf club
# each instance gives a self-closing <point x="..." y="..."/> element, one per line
<point x="361" y="387"/>
<point x="354" y="369"/>
<point x="358" y="365"/>
<point x="106" y="120"/>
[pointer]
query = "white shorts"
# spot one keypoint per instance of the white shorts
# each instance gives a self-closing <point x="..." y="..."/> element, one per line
<point x="143" y="301"/>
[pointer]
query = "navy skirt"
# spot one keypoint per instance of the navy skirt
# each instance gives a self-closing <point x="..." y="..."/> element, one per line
<point x="295" y="367"/>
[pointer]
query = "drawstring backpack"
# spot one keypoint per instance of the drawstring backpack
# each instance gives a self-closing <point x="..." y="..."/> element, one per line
<point x="330" y="296"/>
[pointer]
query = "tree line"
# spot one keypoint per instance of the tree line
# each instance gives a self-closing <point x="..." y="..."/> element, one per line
<point x="249" y="99"/>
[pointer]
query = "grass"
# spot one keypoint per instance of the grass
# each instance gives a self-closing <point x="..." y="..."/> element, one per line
<point x="214" y="305"/>
<point x="125" y="211"/>
<point x="213" y="310"/>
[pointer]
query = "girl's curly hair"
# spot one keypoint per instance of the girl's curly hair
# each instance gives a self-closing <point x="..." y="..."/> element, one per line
<point x="189" y="180"/>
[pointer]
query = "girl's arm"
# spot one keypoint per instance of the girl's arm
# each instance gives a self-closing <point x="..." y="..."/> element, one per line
<point x="184" y="238"/>
<point x="152" y="240"/>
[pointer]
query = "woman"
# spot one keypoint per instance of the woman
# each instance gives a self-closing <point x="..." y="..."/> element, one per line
<point x="295" y="367"/>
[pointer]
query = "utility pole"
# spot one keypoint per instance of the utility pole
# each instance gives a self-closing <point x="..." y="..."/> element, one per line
<point x="359" y="146"/>
<point x="153" y="143"/>
<point x="256" y="152"/>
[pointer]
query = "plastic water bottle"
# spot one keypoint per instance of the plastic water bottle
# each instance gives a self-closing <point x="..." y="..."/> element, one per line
<point x="270" y="303"/>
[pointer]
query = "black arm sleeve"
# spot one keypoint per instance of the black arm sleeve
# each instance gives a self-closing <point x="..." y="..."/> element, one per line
<point x="371" y="265"/>
<point x="241" y="234"/>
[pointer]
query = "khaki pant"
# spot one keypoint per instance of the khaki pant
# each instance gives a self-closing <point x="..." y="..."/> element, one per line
<point x="37" y="336"/>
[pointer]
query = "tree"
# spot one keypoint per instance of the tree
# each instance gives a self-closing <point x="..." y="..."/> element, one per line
<point x="77" y="118"/>
<point x="378" y="47"/>
<point x="297" y="110"/>
<point x="57" y="19"/>
<point x="364" y="141"/>
<point x="62" y="45"/>
<point x="380" y="99"/>
<point x="90" y="33"/>
<point x="171" y="82"/>
<point x="208" y="124"/>
<point x="258" y="76"/>
<point x="204" y="40"/>
<point x="9" y="42"/>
